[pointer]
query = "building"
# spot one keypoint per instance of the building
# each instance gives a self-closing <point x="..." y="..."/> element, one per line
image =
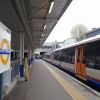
<point x="93" y="32"/>
<point x="48" y="47"/>
<point x="68" y="41"/>
<point x="54" y="45"/>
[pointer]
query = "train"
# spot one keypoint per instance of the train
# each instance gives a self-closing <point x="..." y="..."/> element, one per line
<point x="81" y="59"/>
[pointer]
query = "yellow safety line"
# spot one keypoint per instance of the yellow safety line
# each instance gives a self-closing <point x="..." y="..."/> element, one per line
<point x="76" y="95"/>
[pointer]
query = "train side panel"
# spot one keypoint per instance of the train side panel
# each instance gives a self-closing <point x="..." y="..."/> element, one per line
<point x="55" y="62"/>
<point x="93" y="76"/>
<point x="69" y="67"/>
<point x="88" y="55"/>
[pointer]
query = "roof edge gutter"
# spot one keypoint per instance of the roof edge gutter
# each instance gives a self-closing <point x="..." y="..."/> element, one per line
<point x="64" y="9"/>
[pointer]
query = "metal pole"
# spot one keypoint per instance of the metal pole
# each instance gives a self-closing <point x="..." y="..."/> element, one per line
<point x="1" y="86"/>
<point x="30" y="58"/>
<point x="29" y="61"/>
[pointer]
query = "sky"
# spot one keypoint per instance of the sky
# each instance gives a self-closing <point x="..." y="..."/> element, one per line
<point x="86" y="12"/>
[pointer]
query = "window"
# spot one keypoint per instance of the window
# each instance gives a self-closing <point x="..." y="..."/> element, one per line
<point x="63" y="55"/>
<point x="57" y="55"/>
<point x="92" y="56"/>
<point x="72" y="58"/>
<point x="68" y="55"/>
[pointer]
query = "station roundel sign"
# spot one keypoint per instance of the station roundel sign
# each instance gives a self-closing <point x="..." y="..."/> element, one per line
<point x="4" y="60"/>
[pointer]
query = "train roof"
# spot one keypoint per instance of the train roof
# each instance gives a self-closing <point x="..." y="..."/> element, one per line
<point x="89" y="40"/>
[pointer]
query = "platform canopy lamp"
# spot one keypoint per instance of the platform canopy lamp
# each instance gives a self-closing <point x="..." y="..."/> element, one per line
<point x="51" y="6"/>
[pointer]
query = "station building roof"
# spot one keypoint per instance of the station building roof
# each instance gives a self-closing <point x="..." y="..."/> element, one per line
<point x="93" y="32"/>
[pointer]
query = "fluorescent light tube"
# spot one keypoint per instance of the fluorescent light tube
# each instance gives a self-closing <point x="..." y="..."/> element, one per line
<point x="44" y="27"/>
<point x="51" y="6"/>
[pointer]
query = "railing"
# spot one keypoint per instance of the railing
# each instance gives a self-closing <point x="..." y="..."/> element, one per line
<point x="15" y="65"/>
<point x="10" y="75"/>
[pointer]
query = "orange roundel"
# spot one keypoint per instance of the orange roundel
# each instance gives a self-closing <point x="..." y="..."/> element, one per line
<point x="4" y="61"/>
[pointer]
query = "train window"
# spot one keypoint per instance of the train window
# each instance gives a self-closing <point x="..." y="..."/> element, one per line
<point x="48" y="56"/>
<point x="92" y="55"/>
<point x="52" y="55"/>
<point x="63" y="55"/>
<point x="78" y="59"/>
<point x="57" y="55"/>
<point x="63" y="58"/>
<point x="70" y="56"/>
<point x="83" y="59"/>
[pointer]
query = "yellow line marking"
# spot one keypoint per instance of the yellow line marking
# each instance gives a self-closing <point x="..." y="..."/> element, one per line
<point x="76" y="95"/>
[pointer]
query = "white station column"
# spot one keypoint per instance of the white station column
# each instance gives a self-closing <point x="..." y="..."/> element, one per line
<point x="33" y="56"/>
<point x="21" y="54"/>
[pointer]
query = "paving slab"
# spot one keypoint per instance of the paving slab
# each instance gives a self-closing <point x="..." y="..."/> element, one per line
<point x="40" y="86"/>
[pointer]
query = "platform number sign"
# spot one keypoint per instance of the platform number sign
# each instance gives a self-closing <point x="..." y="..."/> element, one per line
<point x="5" y="42"/>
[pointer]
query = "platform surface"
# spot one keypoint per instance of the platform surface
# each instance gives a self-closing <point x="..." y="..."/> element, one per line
<point x="49" y="83"/>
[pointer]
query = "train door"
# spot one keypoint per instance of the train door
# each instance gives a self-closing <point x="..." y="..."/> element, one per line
<point x="79" y="63"/>
<point x="52" y="57"/>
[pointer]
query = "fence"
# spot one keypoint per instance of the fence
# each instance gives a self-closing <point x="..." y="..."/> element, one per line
<point x="15" y="65"/>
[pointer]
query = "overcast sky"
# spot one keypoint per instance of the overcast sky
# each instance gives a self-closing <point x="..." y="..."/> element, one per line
<point x="86" y="12"/>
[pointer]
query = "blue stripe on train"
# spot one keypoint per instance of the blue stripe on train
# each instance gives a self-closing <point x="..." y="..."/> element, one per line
<point x="93" y="82"/>
<point x="72" y="72"/>
<point x="57" y="65"/>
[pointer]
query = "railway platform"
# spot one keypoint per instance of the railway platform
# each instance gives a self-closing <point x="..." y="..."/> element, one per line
<point x="46" y="82"/>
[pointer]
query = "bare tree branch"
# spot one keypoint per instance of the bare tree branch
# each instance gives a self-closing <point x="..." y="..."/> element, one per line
<point x="78" y="32"/>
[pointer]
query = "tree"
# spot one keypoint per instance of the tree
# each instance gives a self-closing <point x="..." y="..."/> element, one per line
<point x="78" y="32"/>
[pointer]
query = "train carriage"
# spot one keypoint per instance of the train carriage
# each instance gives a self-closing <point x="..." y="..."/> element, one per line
<point x="81" y="59"/>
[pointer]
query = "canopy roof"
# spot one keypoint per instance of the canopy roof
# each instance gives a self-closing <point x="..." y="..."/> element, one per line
<point x="30" y="17"/>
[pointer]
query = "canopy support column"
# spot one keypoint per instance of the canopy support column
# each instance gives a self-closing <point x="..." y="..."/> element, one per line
<point x="22" y="55"/>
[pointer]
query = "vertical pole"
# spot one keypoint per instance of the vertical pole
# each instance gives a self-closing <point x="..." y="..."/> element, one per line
<point x="29" y="58"/>
<point x="21" y="54"/>
<point x="33" y="56"/>
<point x="1" y="86"/>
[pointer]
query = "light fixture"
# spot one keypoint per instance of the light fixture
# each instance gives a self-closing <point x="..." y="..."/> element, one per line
<point x="51" y="6"/>
<point x="42" y="35"/>
<point x="44" y="27"/>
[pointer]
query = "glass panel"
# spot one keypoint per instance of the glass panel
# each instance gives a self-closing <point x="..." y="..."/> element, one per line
<point x="63" y="55"/>
<point x="57" y="55"/>
<point x="92" y="56"/>
<point x="67" y="55"/>
<point x="78" y="59"/>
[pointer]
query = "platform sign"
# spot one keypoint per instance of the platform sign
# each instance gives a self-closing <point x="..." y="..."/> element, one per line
<point x="5" y="48"/>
